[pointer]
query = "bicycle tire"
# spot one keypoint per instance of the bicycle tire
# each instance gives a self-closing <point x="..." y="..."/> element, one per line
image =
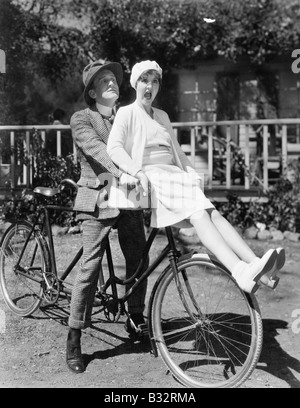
<point x="23" y="295"/>
<point x="210" y="335"/>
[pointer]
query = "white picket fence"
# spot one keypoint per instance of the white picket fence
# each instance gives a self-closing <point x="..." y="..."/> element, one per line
<point x="265" y="145"/>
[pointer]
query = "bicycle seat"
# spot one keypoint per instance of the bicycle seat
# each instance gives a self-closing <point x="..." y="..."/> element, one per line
<point x="46" y="191"/>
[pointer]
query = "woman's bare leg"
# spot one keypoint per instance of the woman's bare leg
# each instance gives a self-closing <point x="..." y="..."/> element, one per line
<point x="233" y="238"/>
<point x="235" y="241"/>
<point x="219" y="237"/>
<point x="212" y="239"/>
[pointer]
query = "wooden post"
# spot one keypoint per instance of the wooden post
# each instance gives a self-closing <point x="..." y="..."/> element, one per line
<point x="247" y="158"/>
<point x="30" y="161"/>
<point x="265" y="156"/>
<point x="58" y="142"/>
<point x="210" y="157"/>
<point x="228" y="157"/>
<point x="284" y="147"/>
<point x="12" y="159"/>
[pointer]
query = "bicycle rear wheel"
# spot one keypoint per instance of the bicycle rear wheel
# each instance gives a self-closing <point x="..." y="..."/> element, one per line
<point x="22" y="287"/>
<point x="209" y="334"/>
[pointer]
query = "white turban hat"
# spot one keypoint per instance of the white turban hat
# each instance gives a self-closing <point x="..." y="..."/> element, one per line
<point x="141" y="67"/>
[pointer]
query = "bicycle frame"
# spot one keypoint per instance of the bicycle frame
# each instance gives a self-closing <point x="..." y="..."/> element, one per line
<point x="138" y="278"/>
<point x="46" y="226"/>
<point x="169" y="250"/>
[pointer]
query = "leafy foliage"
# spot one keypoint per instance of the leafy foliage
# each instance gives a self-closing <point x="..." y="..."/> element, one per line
<point x="235" y="211"/>
<point x="281" y="211"/>
<point x="39" y="55"/>
<point x="48" y="171"/>
<point x="177" y="35"/>
<point x="47" y="43"/>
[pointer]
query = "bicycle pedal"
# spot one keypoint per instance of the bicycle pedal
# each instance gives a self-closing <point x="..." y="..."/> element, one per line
<point x="136" y="333"/>
<point x="97" y="302"/>
<point x="144" y="328"/>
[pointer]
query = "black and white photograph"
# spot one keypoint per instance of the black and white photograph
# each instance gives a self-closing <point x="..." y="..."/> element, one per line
<point x="149" y="196"/>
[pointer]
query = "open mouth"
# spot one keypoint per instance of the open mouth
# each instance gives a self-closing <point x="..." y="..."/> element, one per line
<point x="148" y="95"/>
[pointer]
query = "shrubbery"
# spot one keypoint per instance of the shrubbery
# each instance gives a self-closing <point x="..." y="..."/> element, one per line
<point x="48" y="171"/>
<point x="281" y="211"/>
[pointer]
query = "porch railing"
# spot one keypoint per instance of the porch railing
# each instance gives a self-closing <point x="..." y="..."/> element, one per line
<point x="13" y="139"/>
<point x="244" y="153"/>
<point x="261" y="148"/>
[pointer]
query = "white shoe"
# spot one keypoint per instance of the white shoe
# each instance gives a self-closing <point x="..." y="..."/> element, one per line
<point x="272" y="280"/>
<point x="248" y="275"/>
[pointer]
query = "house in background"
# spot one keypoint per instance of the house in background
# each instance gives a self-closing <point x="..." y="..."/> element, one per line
<point x="218" y="90"/>
<point x="221" y="90"/>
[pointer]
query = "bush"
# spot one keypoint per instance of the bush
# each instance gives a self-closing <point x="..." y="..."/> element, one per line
<point x="48" y="171"/>
<point x="235" y="211"/>
<point x="281" y="211"/>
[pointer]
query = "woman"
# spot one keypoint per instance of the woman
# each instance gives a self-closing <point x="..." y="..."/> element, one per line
<point x="143" y="144"/>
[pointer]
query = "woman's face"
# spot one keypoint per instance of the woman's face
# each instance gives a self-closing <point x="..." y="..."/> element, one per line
<point x="147" y="88"/>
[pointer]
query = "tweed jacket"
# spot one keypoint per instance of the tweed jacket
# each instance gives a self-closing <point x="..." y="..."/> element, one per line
<point x="90" y="134"/>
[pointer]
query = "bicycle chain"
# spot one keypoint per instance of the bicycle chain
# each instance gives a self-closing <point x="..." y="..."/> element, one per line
<point x="51" y="289"/>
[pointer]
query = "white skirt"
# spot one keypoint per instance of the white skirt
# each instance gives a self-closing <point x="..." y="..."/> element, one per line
<point x="175" y="194"/>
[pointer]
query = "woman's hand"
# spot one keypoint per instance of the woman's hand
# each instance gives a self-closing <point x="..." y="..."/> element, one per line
<point x="143" y="181"/>
<point x="130" y="181"/>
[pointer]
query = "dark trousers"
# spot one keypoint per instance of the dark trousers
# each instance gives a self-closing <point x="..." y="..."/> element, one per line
<point x="94" y="236"/>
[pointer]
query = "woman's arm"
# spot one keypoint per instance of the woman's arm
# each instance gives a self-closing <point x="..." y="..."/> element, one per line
<point x="117" y="142"/>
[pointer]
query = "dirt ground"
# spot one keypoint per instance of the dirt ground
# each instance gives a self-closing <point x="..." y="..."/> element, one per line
<point x="32" y="350"/>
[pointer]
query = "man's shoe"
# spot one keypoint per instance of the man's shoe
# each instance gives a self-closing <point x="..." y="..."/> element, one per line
<point x="136" y="327"/>
<point x="74" y="358"/>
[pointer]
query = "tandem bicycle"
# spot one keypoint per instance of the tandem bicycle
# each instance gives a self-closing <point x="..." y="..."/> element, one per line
<point x="200" y="323"/>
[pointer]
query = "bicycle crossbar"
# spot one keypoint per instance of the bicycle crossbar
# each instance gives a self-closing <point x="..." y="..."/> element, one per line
<point x="71" y="265"/>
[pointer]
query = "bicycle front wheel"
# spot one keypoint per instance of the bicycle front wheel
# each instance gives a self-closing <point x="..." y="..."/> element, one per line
<point x="22" y="285"/>
<point x="208" y="332"/>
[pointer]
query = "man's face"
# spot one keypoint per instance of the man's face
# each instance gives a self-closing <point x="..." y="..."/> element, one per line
<point x="105" y="89"/>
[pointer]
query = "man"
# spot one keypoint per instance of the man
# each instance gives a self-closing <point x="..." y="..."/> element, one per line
<point x="90" y="131"/>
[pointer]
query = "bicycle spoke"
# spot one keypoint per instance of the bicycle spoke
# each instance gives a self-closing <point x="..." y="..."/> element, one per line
<point x="219" y="344"/>
<point x="21" y="278"/>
